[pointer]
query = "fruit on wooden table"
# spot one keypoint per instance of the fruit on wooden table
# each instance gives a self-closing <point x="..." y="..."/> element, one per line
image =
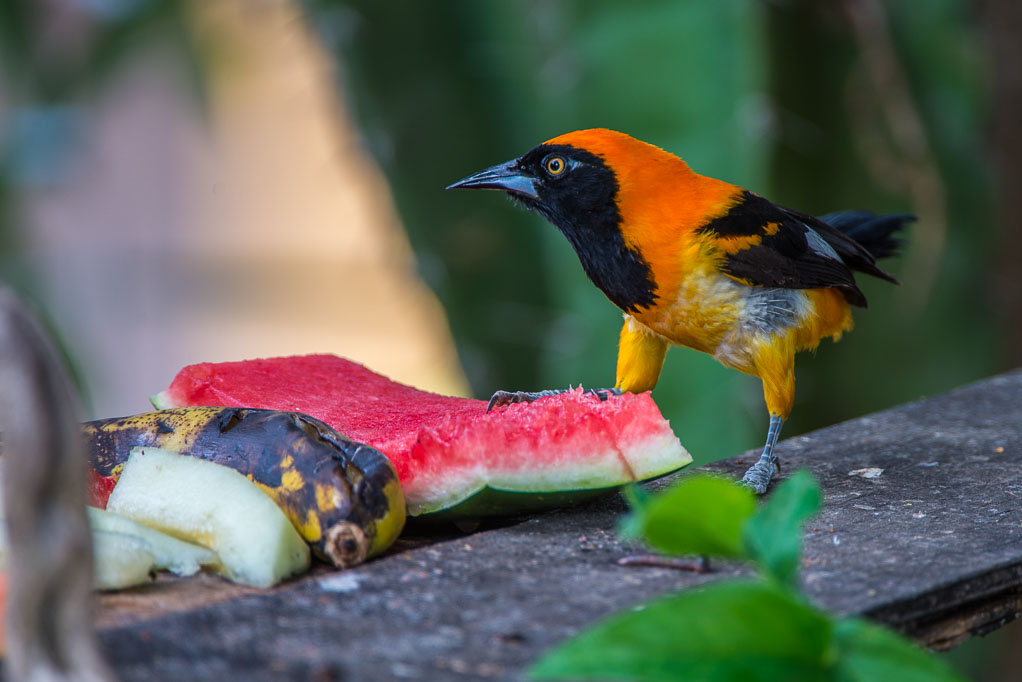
<point x="452" y="456"/>
<point x="214" y="506"/>
<point x="343" y="497"/>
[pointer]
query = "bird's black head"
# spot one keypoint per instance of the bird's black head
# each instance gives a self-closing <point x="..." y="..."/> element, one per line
<point x="576" y="190"/>
<point x="558" y="181"/>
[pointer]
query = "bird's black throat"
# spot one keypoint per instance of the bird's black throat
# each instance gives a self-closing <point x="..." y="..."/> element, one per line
<point x="582" y="205"/>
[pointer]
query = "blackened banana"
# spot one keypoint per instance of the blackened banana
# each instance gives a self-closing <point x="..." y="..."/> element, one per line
<point x="343" y="497"/>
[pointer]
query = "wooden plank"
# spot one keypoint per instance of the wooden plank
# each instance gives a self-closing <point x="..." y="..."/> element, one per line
<point x="933" y="545"/>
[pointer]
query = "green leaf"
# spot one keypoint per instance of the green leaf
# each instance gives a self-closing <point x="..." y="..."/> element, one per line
<point x="18" y="27"/>
<point x="773" y="537"/>
<point x="701" y="514"/>
<point x="868" y="652"/>
<point x="734" y="630"/>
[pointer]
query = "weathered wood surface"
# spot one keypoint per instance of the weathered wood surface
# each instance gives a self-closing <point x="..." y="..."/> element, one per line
<point x="933" y="545"/>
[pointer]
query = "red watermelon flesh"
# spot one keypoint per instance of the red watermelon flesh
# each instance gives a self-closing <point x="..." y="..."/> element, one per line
<point x="448" y="449"/>
<point x="100" y="488"/>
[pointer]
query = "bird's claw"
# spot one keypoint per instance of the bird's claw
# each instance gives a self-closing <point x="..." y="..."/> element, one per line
<point x="603" y="393"/>
<point x="758" y="477"/>
<point x="502" y="398"/>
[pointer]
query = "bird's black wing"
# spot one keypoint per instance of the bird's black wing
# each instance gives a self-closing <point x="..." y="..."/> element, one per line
<point x="841" y="229"/>
<point x="767" y="245"/>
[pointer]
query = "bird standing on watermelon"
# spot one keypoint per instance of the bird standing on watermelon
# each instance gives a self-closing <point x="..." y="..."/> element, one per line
<point x="697" y="262"/>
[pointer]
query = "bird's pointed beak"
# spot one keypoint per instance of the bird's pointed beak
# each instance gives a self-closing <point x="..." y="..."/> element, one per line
<point x="505" y="176"/>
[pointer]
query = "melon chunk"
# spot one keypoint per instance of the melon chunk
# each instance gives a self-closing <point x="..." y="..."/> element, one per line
<point x="450" y="454"/>
<point x="120" y="561"/>
<point x="212" y="506"/>
<point x="177" y="556"/>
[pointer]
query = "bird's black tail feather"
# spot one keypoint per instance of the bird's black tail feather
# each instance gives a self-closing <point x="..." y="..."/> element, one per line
<point x="878" y="234"/>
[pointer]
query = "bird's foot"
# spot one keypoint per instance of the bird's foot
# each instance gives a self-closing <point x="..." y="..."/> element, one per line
<point x="603" y="393"/>
<point x="700" y="565"/>
<point x="502" y="398"/>
<point x="757" y="478"/>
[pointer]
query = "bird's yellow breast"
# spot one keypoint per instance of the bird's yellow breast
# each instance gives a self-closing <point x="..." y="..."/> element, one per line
<point x="699" y="311"/>
<point x="739" y="324"/>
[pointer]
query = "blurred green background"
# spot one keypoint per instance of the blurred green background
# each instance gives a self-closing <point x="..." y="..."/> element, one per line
<point x="894" y="105"/>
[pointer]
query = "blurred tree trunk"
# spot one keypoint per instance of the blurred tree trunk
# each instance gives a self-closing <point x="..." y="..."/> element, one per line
<point x="1003" y="21"/>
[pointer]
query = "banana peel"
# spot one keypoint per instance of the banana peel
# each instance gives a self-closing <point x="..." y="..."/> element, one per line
<point x="343" y="497"/>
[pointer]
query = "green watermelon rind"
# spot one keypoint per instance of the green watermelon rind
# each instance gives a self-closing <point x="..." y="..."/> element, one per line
<point x="160" y="401"/>
<point x="492" y="501"/>
<point x="532" y="490"/>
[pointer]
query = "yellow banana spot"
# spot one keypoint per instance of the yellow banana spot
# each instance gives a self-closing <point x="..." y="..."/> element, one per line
<point x="272" y="492"/>
<point x="175" y="442"/>
<point x="310" y="529"/>
<point x="390" y="526"/>
<point x="290" y="479"/>
<point x="327" y="497"/>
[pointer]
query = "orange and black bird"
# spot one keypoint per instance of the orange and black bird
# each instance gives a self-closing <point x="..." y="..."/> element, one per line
<point x="698" y="262"/>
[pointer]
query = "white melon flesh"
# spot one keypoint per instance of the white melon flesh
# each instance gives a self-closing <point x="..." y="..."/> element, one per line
<point x="213" y="506"/>
<point x="120" y="561"/>
<point x="177" y="556"/>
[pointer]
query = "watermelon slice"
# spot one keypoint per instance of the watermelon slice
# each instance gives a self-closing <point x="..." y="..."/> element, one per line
<point x="450" y="455"/>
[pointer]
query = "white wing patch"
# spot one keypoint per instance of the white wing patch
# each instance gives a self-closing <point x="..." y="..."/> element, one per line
<point x="819" y="245"/>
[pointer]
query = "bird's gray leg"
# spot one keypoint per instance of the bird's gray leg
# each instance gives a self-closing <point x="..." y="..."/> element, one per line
<point x="757" y="478"/>
<point x="501" y="398"/>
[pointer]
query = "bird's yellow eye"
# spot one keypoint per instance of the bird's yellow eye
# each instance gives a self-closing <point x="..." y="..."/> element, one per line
<point x="555" y="165"/>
